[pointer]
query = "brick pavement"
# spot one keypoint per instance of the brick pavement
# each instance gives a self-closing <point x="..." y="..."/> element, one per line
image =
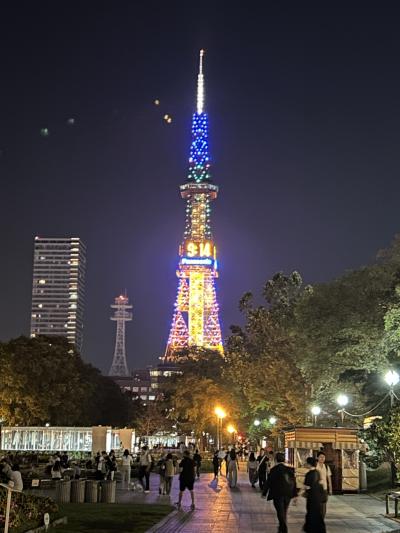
<point x="220" y="509"/>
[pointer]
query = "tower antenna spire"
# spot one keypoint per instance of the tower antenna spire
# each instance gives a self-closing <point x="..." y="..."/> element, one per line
<point x="200" y="86"/>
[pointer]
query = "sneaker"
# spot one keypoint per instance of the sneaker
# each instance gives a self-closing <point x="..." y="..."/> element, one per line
<point x="146" y="491"/>
<point x="192" y="507"/>
<point x="178" y="506"/>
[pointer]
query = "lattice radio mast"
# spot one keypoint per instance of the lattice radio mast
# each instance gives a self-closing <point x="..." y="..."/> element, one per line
<point x="121" y="315"/>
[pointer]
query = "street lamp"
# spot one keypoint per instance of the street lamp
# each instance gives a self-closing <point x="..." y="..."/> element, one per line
<point x="272" y="420"/>
<point x="220" y="412"/>
<point x="391" y="378"/>
<point x="256" y="422"/>
<point x="315" y="411"/>
<point x="231" y="430"/>
<point x="342" y="400"/>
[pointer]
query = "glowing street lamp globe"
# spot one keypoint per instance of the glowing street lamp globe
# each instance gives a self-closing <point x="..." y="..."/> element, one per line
<point x="230" y="429"/>
<point x="342" y="400"/>
<point x="316" y="410"/>
<point x="272" y="420"/>
<point x="392" y="378"/>
<point x="257" y="422"/>
<point x="220" y="412"/>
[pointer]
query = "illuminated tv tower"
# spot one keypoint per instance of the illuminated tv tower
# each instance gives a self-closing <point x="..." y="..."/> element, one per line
<point x="121" y="315"/>
<point x="195" y="321"/>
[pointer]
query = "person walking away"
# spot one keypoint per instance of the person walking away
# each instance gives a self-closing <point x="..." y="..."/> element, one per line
<point x="221" y="457"/>
<point x="226" y="459"/>
<point x="281" y="487"/>
<point x="161" y="472"/>
<point x="56" y="471"/>
<point x="315" y="495"/>
<point x="233" y="467"/>
<point x="112" y="464"/>
<point x="325" y="476"/>
<point x="197" y="462"/>
<point x="145" y="461"/>
<point x="262" y="461"/>
<point x="126" y="464"/>
<point x="169" y="473"/>
<point x="76" y="470"/>
<point x="216" y="464"/>
<point x="252" y="469"/>
<point x="186" y="478"/>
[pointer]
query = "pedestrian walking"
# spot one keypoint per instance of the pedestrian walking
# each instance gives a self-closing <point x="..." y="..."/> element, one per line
<point x="221" y="457"/>
<point x="232" y="469"/>
<point x="262" y="467"/>
<point x="186" y="478"/>
<point x="169" y="472"/>
<point x="111" y="465"/>
<point x="197" y="462"/>
<point x="126" y="464"/>
<point x="315" y="496"/>
<point x="145" y="463"/>
<point x="216" y="464"/>
<point x="281" y="488"/>
<point x="252" y="469"/>
<point x="161" y="472"/>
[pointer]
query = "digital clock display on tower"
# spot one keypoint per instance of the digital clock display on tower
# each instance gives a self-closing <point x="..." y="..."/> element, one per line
<point x="199" y="249"/>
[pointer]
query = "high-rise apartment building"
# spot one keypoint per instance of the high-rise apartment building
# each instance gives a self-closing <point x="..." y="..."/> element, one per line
<point x="58" y="288"/>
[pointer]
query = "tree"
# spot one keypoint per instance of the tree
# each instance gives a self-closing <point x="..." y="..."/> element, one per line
<point x="44" y="380"/>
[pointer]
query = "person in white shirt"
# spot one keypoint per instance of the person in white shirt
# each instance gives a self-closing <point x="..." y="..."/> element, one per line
<point x="145" y="462"/>
<point x="15" y="478"/>
<point x="325" y="478"/>
<point x="126" y="468"/>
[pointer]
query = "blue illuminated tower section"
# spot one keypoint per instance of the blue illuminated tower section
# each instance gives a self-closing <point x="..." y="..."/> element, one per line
<point x="195" y="321"/>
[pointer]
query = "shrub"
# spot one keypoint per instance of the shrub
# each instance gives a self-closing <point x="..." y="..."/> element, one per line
<point x="25" y="508"/>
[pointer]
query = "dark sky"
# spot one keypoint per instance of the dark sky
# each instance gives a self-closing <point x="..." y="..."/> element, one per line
<point x="304" y="109"/>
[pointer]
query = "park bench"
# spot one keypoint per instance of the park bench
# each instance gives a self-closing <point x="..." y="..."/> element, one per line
<point x="395" y="496"/>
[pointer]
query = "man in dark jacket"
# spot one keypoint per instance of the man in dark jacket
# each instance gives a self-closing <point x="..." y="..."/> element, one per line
<point x="281" y="487"/>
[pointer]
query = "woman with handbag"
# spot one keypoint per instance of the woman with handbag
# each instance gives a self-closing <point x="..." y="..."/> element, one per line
<point x="315" y="495"/>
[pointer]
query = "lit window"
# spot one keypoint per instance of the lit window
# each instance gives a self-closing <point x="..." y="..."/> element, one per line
<point x="152" y="397"/>
<point x="73" y="296"/>
<point x="33" y="315"/>
<point x="42" y="281"/>
<point x="33" y="335"/>
<point x="40" y="305"/>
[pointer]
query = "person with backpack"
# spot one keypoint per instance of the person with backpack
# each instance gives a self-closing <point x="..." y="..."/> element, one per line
<point x="281" y="488"/>
<point x="197" y="462"/>
<point x="186" y="478"/>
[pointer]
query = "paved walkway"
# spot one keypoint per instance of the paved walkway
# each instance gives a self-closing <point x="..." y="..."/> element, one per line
<point x="220" y="509"/>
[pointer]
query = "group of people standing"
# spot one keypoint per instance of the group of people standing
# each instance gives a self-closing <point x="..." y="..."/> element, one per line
<point x="280" y="487"/>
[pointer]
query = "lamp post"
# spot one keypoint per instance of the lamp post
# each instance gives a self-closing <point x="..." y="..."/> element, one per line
<point x="272" y="420"/>
<point x="231" y="430"/>
<point x="315" y="411"/>
<point x="342" y="400"/>
<point x="221" y="414"/>
<point x="391" y="378"/>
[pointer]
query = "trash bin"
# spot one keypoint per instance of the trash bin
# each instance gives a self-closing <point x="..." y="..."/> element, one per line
<point x="63" y="491"/>
<point x="108" y="491"/>
<point x="77" y="491"/>
<point x="91" y="490"/>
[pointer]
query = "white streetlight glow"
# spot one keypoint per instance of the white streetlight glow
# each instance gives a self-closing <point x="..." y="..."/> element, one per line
<point x="392" y="378"/>
<point x="272" y="420"/>
<point x="257" y="422"/>
<point x="342" y="400"/>
<point x="315" y="410"/>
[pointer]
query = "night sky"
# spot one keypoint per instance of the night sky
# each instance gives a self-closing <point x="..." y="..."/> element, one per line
<point x="304" y="110"/>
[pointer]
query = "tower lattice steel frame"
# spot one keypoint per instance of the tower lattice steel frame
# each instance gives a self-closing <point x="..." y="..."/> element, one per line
<point x="195" y="321"/>
<point x="121" y="315"/>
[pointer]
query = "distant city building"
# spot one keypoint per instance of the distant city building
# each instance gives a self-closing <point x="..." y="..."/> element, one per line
<point x="138" y="385"/>
<point x="122" y="314"/>
<point x="58" y="288"/>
